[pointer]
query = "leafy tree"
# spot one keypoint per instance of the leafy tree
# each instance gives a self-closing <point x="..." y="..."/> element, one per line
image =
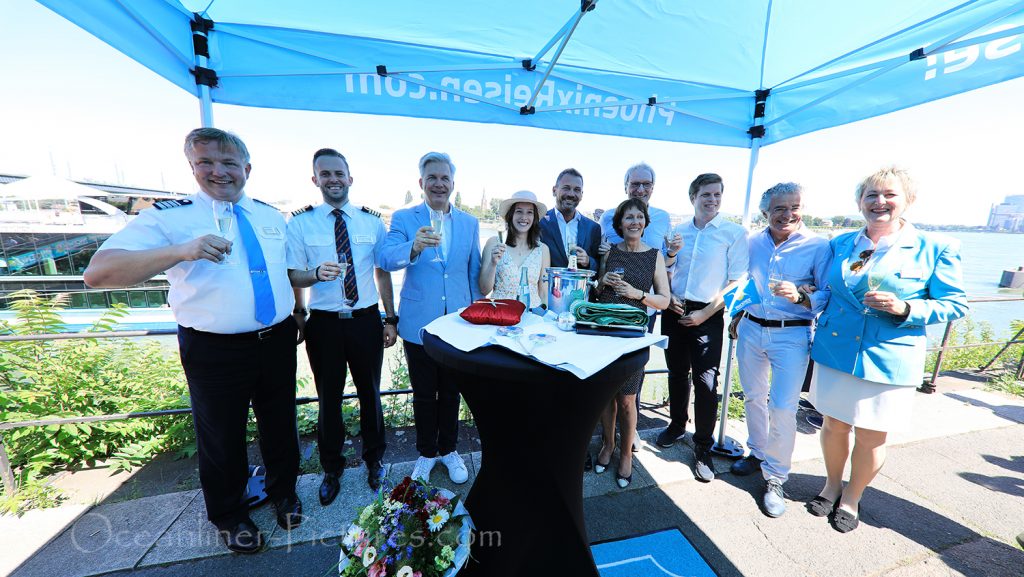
<point x="458" y="199"/>
<point x="408" y="196"/>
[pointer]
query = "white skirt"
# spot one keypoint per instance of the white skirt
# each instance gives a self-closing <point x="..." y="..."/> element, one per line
<point x="861" y="403"/>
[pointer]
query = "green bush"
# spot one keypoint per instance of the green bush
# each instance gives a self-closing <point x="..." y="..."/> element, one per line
<point x="83" y="377"/>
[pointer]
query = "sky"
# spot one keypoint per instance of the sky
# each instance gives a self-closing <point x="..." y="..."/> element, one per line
<point x="73" y="106"/>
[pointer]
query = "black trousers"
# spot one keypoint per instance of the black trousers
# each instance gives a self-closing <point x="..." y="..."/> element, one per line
<point x="335" y="346"/>
<point x="695" y="351"/>
<point x="225" y="373"/>
<point x="435" y="403"/>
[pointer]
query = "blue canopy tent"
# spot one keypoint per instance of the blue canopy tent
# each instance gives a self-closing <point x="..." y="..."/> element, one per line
<point x="741" y="73"/>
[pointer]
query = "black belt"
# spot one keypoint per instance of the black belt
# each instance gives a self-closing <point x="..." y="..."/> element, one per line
<point x="690" y="306"/>
<point x="351" y="314"/>
<point x="259" y="335"/>
<point x="779" y="324"/>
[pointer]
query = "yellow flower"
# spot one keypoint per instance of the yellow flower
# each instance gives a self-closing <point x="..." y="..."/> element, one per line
<point x="437" y="520"/>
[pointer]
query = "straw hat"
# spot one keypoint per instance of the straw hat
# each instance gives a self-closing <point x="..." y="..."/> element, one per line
<point x="523" y="196"/>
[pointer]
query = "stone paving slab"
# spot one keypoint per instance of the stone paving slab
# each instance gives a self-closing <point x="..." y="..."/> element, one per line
<point x="992" y="461"/>
<point x="24" y="536"/>
<point x="109" y="537"/>
<point x="979" y="558"/>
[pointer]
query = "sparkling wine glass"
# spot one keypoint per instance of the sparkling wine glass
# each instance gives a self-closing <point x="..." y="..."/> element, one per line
<point x="224" y="220"/>
<point x="774" y="280"/>
<point x="343" y="264"/>
<point x="437" y="223"/>
<point x="876" y="278"/>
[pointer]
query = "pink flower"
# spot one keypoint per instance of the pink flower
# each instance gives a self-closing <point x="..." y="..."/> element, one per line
<point x="441" y="500"/>
<point x="377" y="570"/>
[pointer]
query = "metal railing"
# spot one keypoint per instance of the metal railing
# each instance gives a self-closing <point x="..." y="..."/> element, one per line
<point x="7" y="475"/>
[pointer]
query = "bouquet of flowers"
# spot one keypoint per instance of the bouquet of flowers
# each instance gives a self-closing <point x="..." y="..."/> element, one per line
<point x="413" y="531"/>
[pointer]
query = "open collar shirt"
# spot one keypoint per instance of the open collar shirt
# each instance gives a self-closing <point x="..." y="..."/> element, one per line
<point x="803" y="258"/>
<point x="709" y="259"/>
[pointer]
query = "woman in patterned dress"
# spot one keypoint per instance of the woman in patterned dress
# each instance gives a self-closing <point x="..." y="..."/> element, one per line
<point x="642" y="267"/>
<point x="500" y="264"/>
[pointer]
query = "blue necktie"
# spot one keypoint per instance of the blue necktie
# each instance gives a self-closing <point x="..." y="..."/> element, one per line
<point x="261" y="291"/>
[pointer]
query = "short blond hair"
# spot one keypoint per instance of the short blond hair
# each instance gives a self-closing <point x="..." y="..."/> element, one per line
<point x="896" y="173"/>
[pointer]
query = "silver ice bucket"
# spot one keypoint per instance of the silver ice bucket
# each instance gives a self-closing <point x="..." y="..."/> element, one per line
<point x="566" y="286"/>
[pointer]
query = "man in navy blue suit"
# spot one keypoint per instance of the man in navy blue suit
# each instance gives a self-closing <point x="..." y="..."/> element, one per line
<point x="563" y="226"/>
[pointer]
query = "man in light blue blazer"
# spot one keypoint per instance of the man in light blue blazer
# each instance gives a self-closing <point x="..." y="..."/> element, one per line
<point x="441" y="272"/>
<point x="563" y="225"/>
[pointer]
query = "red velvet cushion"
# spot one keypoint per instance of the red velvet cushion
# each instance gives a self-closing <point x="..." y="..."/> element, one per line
<point x="500" y="312"/>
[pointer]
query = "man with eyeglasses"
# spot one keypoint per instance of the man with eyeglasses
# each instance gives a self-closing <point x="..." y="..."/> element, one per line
<point x="774" y="336"/>
<point x="639" y="184"/>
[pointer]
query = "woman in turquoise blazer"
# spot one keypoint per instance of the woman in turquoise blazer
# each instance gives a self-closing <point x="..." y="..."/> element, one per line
<point x="887" y="282"/>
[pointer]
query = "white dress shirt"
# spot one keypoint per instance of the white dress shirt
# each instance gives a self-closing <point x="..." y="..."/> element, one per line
<point x="204" y="295"/>
<point x="570" y="230"/>
<point x="709" y="259"/>
<point x="311" y="243"/>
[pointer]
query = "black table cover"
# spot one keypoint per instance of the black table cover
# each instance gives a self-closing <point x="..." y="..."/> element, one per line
<point x="535" y="423"/>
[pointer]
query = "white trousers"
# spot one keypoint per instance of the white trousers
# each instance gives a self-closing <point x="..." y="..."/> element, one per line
<point x="771" y="401"/>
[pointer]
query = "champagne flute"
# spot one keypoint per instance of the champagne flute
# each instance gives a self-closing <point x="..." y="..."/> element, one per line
<point x="224" y="220"/>
<point x="876" y="278"/>
<point x="774" y="280"/>
<point x="437" y="223"/>
<point x="343" y="264"/>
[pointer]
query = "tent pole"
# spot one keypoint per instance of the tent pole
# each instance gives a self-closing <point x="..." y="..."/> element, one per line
<point x="205" y="107"/>
<point x="755" y="148"/>
<point x="205" y="77"/>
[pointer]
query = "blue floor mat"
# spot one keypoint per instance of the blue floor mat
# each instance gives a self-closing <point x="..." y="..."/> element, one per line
<point x="662" y="554"/>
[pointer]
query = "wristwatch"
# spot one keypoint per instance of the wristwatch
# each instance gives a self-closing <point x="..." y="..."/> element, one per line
<point x="302" y="311"/>
<point x="391" y="320"/>
<point x="803" y="297"/>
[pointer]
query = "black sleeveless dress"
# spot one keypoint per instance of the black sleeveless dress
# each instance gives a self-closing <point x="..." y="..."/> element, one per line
<point x="639" y="272"/>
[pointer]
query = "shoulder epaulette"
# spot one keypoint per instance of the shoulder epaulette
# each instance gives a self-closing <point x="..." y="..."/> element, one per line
<point x="172" y="203"/>
<point x="264" y="203"/>
<point x="369" y="210"/>
<point x="306" y="208"/>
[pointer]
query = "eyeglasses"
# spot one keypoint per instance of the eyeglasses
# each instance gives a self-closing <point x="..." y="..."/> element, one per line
<point x="639" y="185"/>
<point x="863" y="256"/>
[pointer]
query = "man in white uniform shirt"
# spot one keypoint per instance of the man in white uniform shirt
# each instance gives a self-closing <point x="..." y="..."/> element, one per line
<point x="236" y="333"/>
<point x="712" y="258"/>
<point x="343" y="337"/>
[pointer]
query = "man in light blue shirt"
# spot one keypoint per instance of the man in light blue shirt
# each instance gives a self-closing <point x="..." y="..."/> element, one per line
<point x="775" y="335"/>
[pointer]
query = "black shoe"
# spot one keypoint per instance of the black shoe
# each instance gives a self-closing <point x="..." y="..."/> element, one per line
<point x="374" y="474"/>
<point x="330" y="487"/>
<point x="746" y="466"/>
<point x="703" y="466"/>
<point x="669" y="436"/>
<point x="289" y="512"/>
<point x="243" y="537"/>
<point x="589" y="463"/>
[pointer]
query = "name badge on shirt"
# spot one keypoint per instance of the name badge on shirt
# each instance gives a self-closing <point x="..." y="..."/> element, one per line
<point x="272" y="232"/>
<point x="363" y="239"/>
<point x="911" y="272"/>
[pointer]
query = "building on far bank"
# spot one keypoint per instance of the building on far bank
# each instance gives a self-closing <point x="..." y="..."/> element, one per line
<point x="1009" y="215"/>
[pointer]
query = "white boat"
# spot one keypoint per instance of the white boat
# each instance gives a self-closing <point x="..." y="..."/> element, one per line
<point x="51" y="227"/>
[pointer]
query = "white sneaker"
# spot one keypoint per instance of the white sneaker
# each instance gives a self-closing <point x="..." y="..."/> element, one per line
<point x="421" y="471"/>
<point x="456" y="467"/>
